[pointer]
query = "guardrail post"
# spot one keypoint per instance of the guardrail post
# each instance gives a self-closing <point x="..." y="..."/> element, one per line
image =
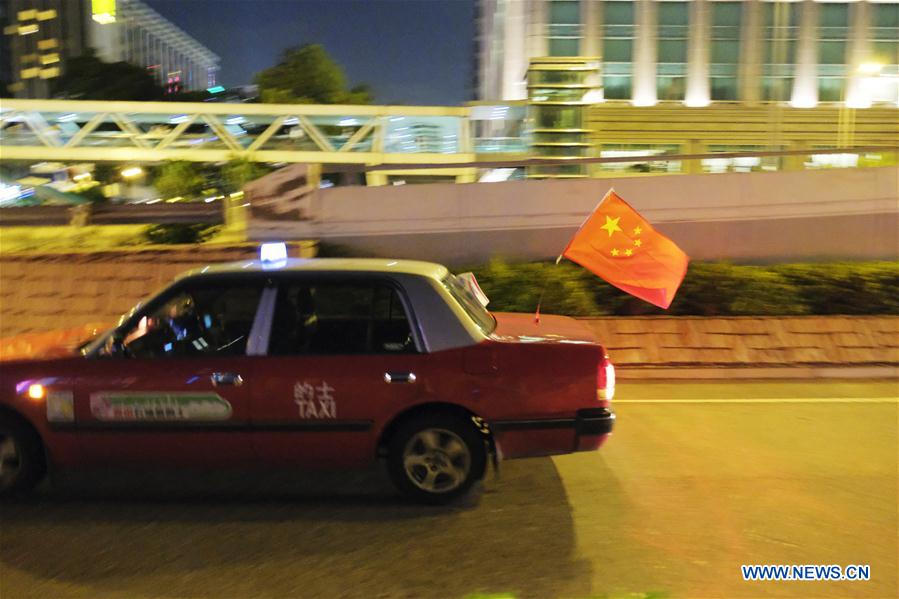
<point x="796" y="162"/>
<point x="80" y="215"/>
<point x="693" y="167"/>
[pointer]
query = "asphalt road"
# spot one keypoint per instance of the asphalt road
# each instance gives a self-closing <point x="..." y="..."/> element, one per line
<point x="682" y="495"/>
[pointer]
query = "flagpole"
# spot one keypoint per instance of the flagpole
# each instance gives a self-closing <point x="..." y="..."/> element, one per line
<point x="559" y="258"/>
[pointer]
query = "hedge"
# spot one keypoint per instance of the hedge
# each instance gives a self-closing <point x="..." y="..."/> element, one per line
<point x="709" y="289"/>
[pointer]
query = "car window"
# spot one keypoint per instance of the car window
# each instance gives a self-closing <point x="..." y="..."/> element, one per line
<point x="207" y="320"/>
<point x="339" y="318"/>
<point x="475" y="310"/>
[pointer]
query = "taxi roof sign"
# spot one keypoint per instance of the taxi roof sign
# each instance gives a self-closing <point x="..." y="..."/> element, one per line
<point x="273" y="252"/>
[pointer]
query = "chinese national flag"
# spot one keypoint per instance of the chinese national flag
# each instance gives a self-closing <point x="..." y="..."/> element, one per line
<point x="620" y="246"/>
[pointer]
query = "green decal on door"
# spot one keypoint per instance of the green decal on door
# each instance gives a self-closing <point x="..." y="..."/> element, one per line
<point x="149" y="406"/>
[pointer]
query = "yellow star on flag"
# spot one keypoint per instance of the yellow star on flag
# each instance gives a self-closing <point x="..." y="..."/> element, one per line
<point x="612" y="225"/>
<point x="628" y="252"/>
<point x="637" y="230"/>
<point x="638" y="243"/>
<point x="614" y="251"/>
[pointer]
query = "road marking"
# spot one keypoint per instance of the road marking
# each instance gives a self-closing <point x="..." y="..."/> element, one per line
<point x="769" y="400"/>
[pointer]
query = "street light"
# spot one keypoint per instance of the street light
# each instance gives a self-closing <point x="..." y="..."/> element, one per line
<point x="132" y="172"/>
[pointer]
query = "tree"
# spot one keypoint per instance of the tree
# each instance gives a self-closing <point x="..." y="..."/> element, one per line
<point x="86" y="77"/>
<point x="240" y="171"/>
<point x="308" y="75"/>
<point x="179" y="178"/>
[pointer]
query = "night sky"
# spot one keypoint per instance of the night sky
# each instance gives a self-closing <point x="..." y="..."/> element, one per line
<point x="409" y="51"/>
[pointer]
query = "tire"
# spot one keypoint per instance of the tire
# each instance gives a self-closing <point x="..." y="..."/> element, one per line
<point x="435" y="458"/>
<point x="22" y="463"/>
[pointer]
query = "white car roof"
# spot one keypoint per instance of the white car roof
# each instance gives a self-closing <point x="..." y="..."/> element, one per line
<point x="366" y="265"/>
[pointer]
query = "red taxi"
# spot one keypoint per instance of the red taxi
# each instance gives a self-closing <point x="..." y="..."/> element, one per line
<point x="321" y="363"/>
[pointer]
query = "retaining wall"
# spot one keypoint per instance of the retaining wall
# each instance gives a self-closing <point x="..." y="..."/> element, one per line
<point x="60" y="291"/>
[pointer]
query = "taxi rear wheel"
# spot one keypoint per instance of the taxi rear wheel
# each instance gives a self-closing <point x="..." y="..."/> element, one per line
<point x="21" y="457"/>
<point x="436" y="458"/>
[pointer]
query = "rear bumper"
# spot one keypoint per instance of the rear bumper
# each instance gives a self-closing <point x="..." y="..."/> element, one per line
<point x="587" y="431"/>
<point x="594" y="421"/>
<point x="592" y="427"/>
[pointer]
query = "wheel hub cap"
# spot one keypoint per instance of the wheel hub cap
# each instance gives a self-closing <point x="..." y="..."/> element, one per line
<point x="437" y="460"/>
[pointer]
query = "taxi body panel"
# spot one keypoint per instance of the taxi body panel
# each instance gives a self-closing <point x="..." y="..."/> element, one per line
<point x="315" y="389"/>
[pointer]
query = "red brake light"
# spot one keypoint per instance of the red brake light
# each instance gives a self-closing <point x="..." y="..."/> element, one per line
<point x="605" y="381"/>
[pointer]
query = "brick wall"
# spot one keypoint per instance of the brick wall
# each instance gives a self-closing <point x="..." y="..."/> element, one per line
<point x="751" y="341"/>
<point x="53" y="291"/>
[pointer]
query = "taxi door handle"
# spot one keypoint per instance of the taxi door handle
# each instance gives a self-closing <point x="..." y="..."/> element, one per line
<point x="399" y="377"/>
<point x="220" y="379"/>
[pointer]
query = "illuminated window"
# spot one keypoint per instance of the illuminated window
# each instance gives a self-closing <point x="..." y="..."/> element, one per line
<point x="11" y="29"/>
<point x="47" y="44"/>
<point x="672" y="49"/>
<point x="50" y="73"/>
<point x="618" y="49"/>
<point x="780" y="33"/>
<point x="50" y="58"/>
<point x="617" y="87"/>
<point x="833" y="31"/>
<point x="725" y="49"/>
<point x="26" y="58"/>
<point x="27" y="15"/>
<point x="28" y="29"/>
<point x="830" y="89"/>
<point x="564" y="27"/>
<point x="30" y="73"/>
<point x="559" y="117"/>
<point x="103" y="11"/>
<point x="885" y="33"/>
<point x="883" y="86"/>
<point x="46" y="15"/>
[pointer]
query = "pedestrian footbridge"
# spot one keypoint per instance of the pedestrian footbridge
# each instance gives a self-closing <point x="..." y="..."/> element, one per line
<point x="71" y="130"/>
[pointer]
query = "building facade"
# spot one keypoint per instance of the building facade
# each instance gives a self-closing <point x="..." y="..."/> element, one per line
<point x="39" y="35"/>
<point x="699" y="52"/>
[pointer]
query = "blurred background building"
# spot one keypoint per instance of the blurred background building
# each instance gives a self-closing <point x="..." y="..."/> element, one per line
<point x="699" y="51"/>
<point x="704" y="75"/>
<point x="39" y="35"/>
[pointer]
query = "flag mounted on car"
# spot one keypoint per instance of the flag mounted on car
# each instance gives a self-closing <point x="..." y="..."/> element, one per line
<point x="620" y="246"/>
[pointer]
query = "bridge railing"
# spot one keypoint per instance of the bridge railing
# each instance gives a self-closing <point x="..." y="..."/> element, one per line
<point x="211" y="132"/>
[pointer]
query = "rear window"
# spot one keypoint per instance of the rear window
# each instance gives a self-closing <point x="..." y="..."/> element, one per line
<point x="478" y="313"/>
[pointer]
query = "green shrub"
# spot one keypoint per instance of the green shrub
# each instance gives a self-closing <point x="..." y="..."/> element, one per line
<point x="518" y="287"/>
<point x="846" y="287"/>
<point x="708" y="289"/>
<point x="718" y="289"/>
<point x="180" y="233"/>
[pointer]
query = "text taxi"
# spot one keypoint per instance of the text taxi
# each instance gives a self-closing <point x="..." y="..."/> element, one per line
<point x="323" y="363"/>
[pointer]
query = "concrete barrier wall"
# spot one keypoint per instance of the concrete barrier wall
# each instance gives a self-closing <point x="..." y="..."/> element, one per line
<point x="802" y="215"/>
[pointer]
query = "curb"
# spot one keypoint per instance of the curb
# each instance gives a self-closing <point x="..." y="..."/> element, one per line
<point x="782" y="373"/>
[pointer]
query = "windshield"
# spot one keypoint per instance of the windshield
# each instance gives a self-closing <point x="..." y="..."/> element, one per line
<point x="478" y="313"/>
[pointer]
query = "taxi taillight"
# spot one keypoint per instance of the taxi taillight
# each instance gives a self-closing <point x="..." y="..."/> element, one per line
<point x="605" y="381"/>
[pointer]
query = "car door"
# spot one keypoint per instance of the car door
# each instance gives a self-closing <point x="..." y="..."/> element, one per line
<point x="169" y="388"/>
<point x="342" y="355"/>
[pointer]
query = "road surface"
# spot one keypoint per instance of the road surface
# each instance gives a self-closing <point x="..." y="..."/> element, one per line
<point x="685" y="492"/>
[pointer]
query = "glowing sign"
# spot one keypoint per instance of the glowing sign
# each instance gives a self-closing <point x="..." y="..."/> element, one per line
<point x="215" y="90"/>
<point x="273" y="252"/>
<point x="103" y="11"/>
